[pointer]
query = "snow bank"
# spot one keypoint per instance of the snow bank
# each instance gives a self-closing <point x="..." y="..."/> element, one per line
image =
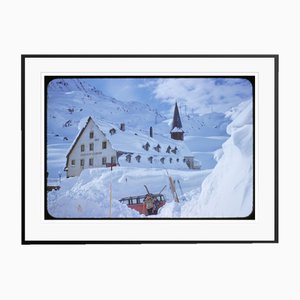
<point x="87" y="196"/>
<point x="228" y="190"/>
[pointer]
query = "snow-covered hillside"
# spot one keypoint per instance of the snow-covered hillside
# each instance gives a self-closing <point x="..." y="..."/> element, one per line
<point x="228" y="189"/>
<point x="70" y="100"/>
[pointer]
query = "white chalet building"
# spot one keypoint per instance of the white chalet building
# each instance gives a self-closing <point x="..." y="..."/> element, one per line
<point x="98" y="144"/>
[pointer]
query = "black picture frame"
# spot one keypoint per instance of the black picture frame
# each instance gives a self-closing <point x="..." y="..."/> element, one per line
<point x="23" y="134"/>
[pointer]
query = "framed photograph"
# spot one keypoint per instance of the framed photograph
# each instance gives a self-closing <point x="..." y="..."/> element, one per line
<point x="149" y="149"/>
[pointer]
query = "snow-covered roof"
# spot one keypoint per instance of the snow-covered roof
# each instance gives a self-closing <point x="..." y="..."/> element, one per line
<point x="132" y="141"/>
<point x="176" y="129"/>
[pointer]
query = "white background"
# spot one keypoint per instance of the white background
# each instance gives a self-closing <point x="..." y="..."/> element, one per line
<point x="186" y="271"/>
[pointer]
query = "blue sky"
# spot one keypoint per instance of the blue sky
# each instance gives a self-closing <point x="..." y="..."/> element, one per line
<point x="201" y="95"/>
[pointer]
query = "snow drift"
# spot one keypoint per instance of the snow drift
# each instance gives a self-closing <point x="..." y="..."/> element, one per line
<point x="228" y="190"/>
<point x="87" y="196"/>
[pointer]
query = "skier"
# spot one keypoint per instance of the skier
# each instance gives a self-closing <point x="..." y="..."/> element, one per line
<point x="149" y="203"/>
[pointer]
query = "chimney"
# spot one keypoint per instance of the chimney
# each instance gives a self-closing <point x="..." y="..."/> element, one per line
<point x="151" y="131"/>
<point x="122" y="126"/>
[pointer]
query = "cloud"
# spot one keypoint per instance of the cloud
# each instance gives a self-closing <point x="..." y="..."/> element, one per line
<point x="203" y="95"/>
<point x="147" y="83"/>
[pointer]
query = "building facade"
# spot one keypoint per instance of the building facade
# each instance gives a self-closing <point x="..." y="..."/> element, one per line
<point x="91" y="149"/>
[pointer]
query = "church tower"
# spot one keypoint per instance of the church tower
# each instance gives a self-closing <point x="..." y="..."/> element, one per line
<point x="177" y="132"/>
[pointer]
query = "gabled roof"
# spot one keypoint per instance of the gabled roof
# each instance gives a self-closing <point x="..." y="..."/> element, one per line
<point x="132" y="141"/>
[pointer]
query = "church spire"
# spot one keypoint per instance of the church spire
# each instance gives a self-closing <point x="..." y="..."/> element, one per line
<point x="177" y="132"/>
<point x="176" y="118"/>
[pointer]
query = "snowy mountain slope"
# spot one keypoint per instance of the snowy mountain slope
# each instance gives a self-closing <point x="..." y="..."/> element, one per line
<point x="204" y="134"/>
<point x="70" y="100"/>
<point x="212" y="124"/>
<point x="228" y="189"/>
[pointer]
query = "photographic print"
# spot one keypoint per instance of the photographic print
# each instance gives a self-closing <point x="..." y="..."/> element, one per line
<point x="150" y="147"/>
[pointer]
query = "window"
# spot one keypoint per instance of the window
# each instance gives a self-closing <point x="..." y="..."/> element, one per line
<point x="150" y="159"/>
<point x="113" y="160"/>
<point x="189" y="163"/>
<point x="128" y="158"/>
<point x="162" y="160"/>
<point x="91" y="162"/>
<point x="157" y="148"/>
<point x="138" y="158"/>
<point x="82" y="148"/>
<point x="112" y="131"/>
<point x="91" y="134"/>
<point x="146" y="146"/>
<point x="73" y="162"/>
<point x="104" y="145"/>
<point x="170" y="160"/>
<point x="92" y="147"/>
<point x="103" y="160"/>
<point x="82" y="162"/>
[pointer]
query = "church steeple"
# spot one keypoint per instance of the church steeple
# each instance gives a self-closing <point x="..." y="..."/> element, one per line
<point x="177" y="132"/>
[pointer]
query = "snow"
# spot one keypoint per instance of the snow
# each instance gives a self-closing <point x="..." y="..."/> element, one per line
<point x="88" y="194"/>
<point x="203" y="148"/>
<point x="228" y="190"/>
<point x="56" y="156"/>
<point x="71" y="101"/>
<point x="170" y="162"/>
<point x="133" y="141"/>
<point x="176" y="129"/>
<point x="74" y="99"/>
<point x="221" y="142"/>
<point x="218" y="154"/>
<point x="129" y="141"/>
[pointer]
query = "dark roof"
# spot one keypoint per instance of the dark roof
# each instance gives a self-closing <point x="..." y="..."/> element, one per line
<point x="176" y="118"/>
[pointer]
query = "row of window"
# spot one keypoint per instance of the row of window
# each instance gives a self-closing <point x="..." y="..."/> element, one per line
<point x="158" y="147"/>
<point x="91" y="161"/>
<point x="112" y="132"/>
<point x="91" y="146"/>
<point x="150" y="159"/>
